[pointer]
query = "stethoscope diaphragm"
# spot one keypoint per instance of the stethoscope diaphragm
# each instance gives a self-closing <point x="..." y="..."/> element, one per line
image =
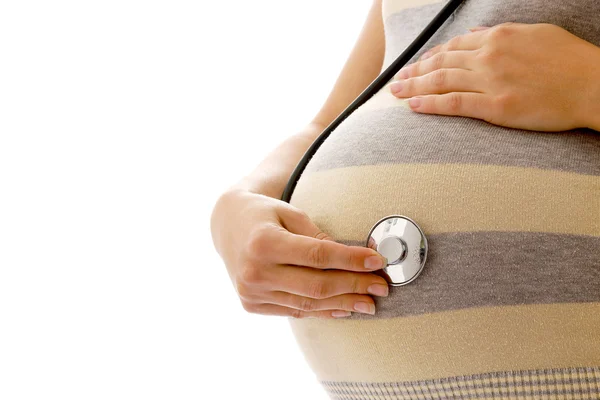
<point x="402" y="242"/>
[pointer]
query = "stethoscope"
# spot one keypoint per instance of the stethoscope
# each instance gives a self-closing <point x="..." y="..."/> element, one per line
<point x="396" y="237"/>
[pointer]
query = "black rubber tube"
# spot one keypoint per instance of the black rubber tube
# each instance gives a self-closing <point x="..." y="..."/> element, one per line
<point x="370" y="91"/>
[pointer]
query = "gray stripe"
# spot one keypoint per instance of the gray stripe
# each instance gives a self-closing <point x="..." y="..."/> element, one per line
<point x="476" y="269"/>
<point x="576" y="381"/>
<point x="403" y="27"/>
<point x="400" y="136"/>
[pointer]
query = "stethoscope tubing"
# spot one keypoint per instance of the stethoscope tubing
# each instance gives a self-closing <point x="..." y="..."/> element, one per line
<point x="371" y="90"/>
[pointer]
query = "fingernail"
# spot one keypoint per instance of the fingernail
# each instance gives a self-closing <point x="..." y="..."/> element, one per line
<point x="373" y="262"/>
<point x="403" y="73"/>
<point x="340" y="314"/>
<point x="365" y="308"/>
<point x="378" y="290"/>
<point x="415" y="102"/>
<point x="425" y="55"/>
<point x="396" y="87"/>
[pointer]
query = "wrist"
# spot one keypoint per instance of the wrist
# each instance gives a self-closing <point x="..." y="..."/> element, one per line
<point x="258" y="182"/>
<point x="228" y="203"/>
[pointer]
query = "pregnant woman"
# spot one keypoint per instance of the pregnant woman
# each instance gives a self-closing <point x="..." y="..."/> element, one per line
<point x="489" y="139"/>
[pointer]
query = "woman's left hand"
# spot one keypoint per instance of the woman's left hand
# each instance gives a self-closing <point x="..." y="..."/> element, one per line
<point x="535" y="77"/>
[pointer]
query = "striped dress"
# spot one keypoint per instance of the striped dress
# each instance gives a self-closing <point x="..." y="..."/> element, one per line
<point x="508" y="304"/>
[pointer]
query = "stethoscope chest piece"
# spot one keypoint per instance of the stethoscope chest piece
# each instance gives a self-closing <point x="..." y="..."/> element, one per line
<point x="403" y="243"/>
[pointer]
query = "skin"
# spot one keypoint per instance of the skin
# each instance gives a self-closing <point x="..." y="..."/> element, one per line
<point x="528" y="76"/>
<point x="288" y="266"/>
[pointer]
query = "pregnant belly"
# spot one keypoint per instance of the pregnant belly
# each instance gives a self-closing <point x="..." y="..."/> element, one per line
<point x="508" y="303"/>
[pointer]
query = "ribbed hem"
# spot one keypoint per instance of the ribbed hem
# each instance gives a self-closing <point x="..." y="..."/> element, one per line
<point x="548" y="384"/>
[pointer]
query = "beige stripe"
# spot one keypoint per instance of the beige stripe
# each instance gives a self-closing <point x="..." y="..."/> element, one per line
<point x="346" y="202"/>
<point x="390" y="7"/>
<point x="452" y="343"/>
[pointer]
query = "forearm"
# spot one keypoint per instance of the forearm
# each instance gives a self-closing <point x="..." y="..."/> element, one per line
<point x="271" y="175"/>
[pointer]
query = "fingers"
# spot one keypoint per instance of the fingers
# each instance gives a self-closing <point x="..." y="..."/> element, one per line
<point x="319" y="284"/>
<point x="297" y="221"/>
<point x="349" y="302"/>
<point x="454" y="59"/>
<point x="304" y="244"/>
<point x="325" y="254"/>
<point x="468" y="41"/>
<point x="275" y="309"/>
<point x="288" y="266"/>
<point x="311" y="291"/>
<point x="472" y="105"/>
<point x="438" y="82"/>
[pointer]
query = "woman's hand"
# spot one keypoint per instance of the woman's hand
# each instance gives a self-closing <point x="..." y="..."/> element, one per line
<point x="281" y="263"/>
<point x="536" y="77"/>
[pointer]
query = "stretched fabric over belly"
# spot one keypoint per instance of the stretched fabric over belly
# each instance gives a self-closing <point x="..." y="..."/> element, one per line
<point x="508" y="304"/>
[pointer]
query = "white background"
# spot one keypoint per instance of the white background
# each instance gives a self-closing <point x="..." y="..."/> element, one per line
<point x="120" y="124"/>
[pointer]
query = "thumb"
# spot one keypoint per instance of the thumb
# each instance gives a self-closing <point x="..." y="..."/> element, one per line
<point x="297" y="221"/>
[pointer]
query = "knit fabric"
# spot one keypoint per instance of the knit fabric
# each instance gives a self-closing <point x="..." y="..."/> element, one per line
<point x="508" y="303"/>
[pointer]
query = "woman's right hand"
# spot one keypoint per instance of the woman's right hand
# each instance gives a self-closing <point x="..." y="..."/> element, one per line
<point x="281" y="263"/>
